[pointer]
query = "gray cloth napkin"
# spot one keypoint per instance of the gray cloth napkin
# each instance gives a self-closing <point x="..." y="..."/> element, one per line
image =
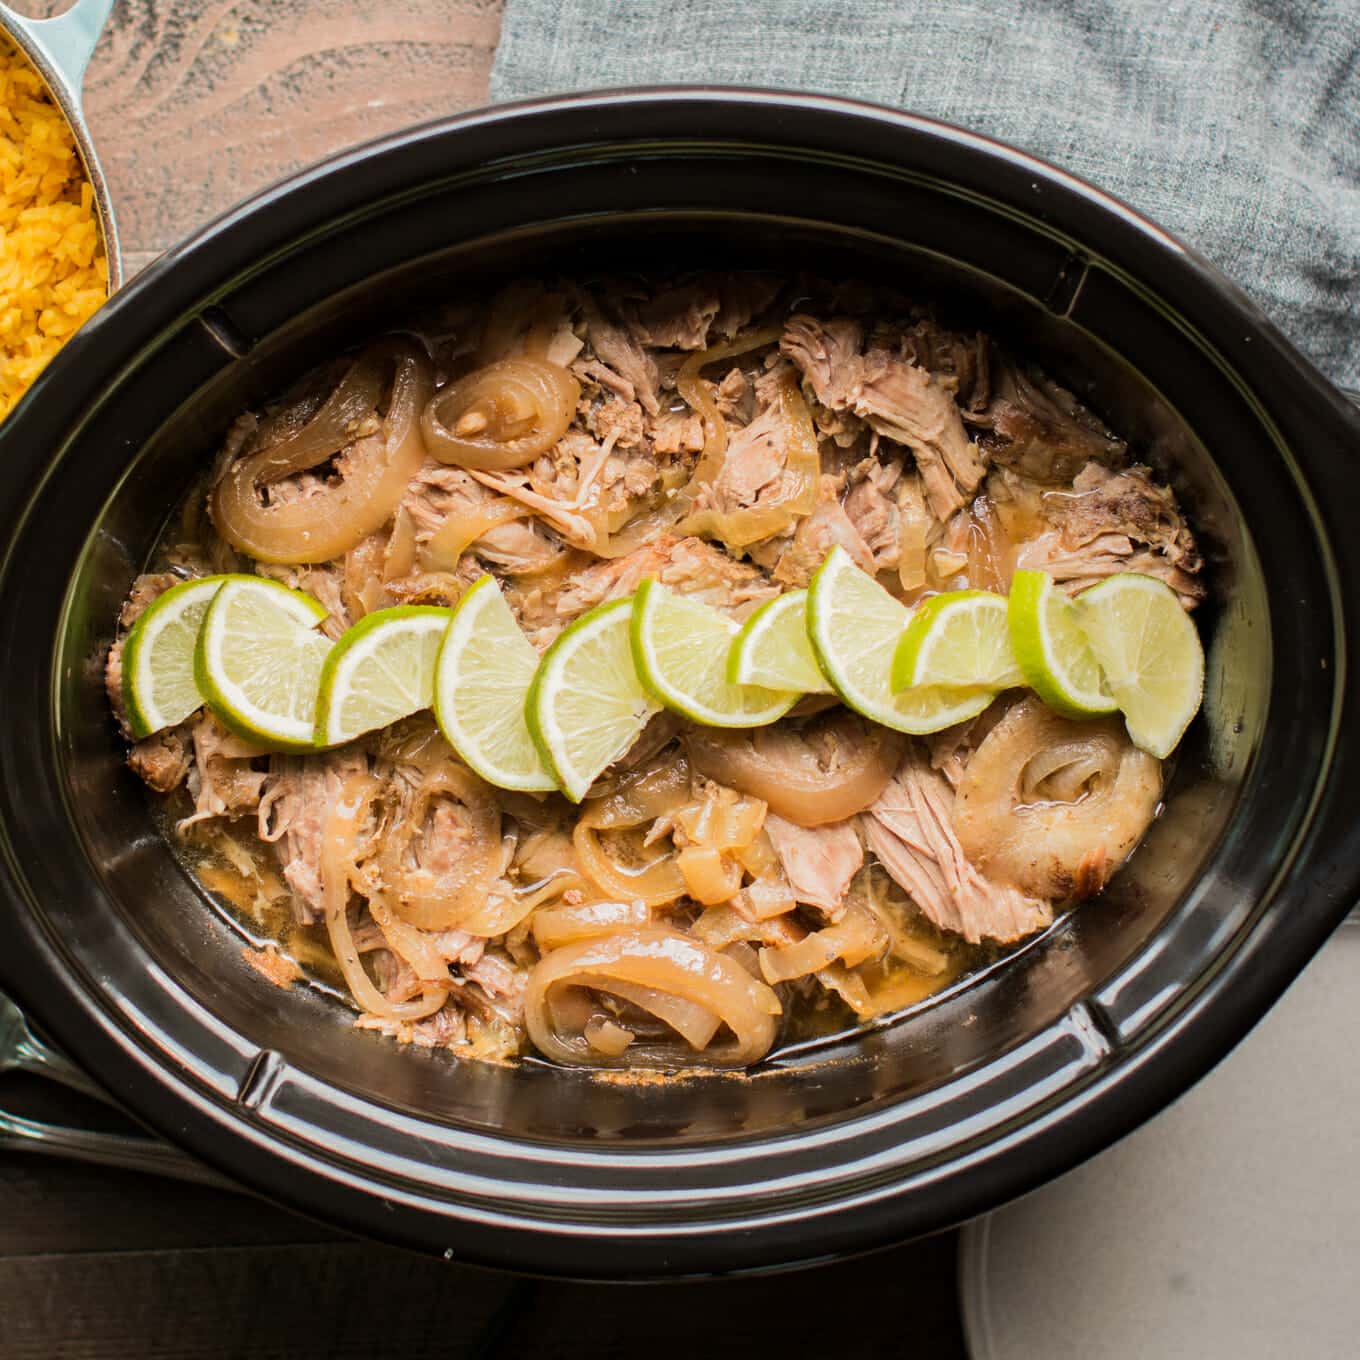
<point x="1233" y="123"/>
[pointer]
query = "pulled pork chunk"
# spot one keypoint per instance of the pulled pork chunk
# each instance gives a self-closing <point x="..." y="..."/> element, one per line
<point x="744" y="297"/>
<point x="1114" y="522"/>
<point x="690" y="566"/>
<point x="827" y="355"/>
<point x="818" y="861"/>
<point x="435" y="494"/>
<point x="815" y="536"/>
<point x="961" y="364"/>
<point x="618" y="421"/>
<point x="736" y="397"/>
<point x="754" y="468"/>
<point x="1040" y="429"/>
<point x="299" y="792"/>
<point x="162" y="760"/>
<point x="873" y="510"/>
<point x="620" y="363"/>
<point x="224" y="781"/>
<point x="901" y="400"/>
<point x="451" y="513"/>
<point x="677" y="318"/>
<point x="677" y="432"/>
<point x="896" y="397"/>
<point x="911" y="830"/>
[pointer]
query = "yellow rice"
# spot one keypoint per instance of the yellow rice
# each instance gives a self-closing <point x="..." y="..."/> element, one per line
<point x="53" y="272"/>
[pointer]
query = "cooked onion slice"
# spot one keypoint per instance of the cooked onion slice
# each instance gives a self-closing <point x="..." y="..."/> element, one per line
<point x="330" y="518"/>
<point x="612" y="848"/>
<point x="442" y="852"/>
<point x="825" y="771"/>
<point x="1053" y="806"/>
<point x="852" y="940"/>
<point x="339" y="850"/>
<point x="775" y="511"/>
<point x="690" y="384"/>
<point x="554" y="927"/>
<point x="673" y="977"/>
<point x="501" y="416"/>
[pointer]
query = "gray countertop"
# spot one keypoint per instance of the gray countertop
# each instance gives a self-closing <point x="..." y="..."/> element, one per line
<point x="1229" y="1226"/>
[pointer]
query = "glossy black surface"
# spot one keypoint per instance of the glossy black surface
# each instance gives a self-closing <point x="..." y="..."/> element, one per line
<point x="917" y="1125"/>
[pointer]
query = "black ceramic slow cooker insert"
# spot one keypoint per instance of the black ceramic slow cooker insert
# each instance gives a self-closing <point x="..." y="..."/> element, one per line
<point x="911" y="1127"/>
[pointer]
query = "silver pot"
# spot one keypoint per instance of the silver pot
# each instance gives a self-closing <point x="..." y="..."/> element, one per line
<point x="60" y="50"/>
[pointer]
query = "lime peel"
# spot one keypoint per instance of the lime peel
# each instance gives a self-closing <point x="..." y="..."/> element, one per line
<point x="854" y="626"/>
<point x="1150" y="651"/>
<point x="680" y="649"/>
<point x="772" y="648"/>
<point x="160" y="689"/>
<point x="482" y="680"/>
<point x="380" y="671"/>
<point x="258" y="642"/>
<point x="586" y="705"/>
<point x="1052" y="650"/>
<point x="961" y="637"/>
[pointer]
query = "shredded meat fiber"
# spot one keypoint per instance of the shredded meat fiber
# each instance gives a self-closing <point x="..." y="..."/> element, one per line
<point x="716" y="890"/>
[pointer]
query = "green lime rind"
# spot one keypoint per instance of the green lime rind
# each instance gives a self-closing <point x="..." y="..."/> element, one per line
<point x="159" y="686"/>
<point x="680" y="650"/>
<point x="854" y="626"/>
<point x="258" y="638"/>
<point x="1051" y="648"/>
<point x="586" y="705"/>
<point x="380" y="671"/>
<point x="1150" y="651"/>
<point x="772" y="649"/>
<point x="485" y="670"/>
<point x="959" y="638"/>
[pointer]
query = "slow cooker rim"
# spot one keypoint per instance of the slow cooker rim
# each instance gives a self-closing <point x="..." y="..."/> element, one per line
<point x="166" y="1096"/>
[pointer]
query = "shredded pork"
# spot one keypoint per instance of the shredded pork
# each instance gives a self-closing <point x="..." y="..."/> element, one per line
<point x="943" y="463"/>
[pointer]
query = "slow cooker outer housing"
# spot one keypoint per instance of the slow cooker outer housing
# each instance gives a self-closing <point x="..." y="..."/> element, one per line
<point x="910" y="1128"/>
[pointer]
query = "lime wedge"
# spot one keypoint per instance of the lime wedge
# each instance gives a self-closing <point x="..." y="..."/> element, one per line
<point x="380" y="671"/>
<point x="773" y="650"/>
<point x="680" y="650"/>
<point x="159" y="689"/>
<point x="854" y="626"/>
<point x="486" y="666"/>
<point x="959" y="638"/>
<point x="1052" y="650"/>
<point x="586" y="705"/>
<point x="259" y="659"/>
<point x="1150" y="651"/>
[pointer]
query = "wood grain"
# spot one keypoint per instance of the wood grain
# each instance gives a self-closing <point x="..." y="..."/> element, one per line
<point x="351" y="1301"/>
<point x="196" y="104"/>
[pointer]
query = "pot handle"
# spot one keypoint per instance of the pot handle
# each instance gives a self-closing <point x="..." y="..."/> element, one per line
<point x="65" y="42"/>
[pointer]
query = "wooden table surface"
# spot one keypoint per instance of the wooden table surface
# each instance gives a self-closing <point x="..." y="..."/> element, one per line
<point x="194" y="104"/>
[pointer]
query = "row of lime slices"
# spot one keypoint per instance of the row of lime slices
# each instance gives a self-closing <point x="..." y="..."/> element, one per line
<point x="249" y="648"/>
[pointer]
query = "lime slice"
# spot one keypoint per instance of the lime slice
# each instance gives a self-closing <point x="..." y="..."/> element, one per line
<point x="773" y="650"/>
<point x="1052" y="650"/>
<point x="855" y="626"/>
<point x="159" y="689"/>
<point x="486" y="666"/>
<point x="259" y="659"/>
<point x="959" y="638"/>
<point x="586" y="705"/>
<point x="680" y="650"/>
<point x="1150" y="651"/>
<point x="380" y="671"/>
